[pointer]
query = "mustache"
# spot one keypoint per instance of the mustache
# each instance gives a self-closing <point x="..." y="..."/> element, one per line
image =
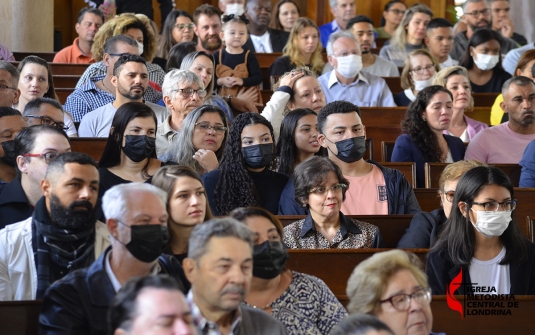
<point x="82" y="203"/>
<point x="234" y="289"/>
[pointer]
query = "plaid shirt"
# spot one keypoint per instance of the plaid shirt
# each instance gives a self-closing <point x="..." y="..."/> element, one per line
<point x="86" y="99"/>
<point x="208" y="327"/>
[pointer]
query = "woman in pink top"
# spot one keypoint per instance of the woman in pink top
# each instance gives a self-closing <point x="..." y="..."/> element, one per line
<point x="455" y="79"/>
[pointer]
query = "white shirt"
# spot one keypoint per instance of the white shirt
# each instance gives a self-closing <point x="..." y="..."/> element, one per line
<point x="114" y="281"/>
<point x="262" y="43"/>
<point x="491" y="274"/>
<point x="448" y="62"/>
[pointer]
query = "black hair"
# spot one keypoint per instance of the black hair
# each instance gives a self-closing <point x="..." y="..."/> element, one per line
<point x="243" y="213"/>
<point x="481" y="36"/>
<point x="458" y="238"/>
<point x="286" y="148"/>
<point x="90" y="10"/>
<point x="123" y="308"/>
<point x="387" y="8"/>
<point x="51" y="93"/>
<point x="439" y="22"/>
<point x="8" y="111"/>
<point x="13" y="72"/>
<point x="177" y="54"/>
<point x="360" y="324"/>
<point x="359" y="19"/>
<point x="517" y="80"/>
<point x="110" y="46"/>
<point x="167" y="41"/>
<point x="235" y="188"/>
<point x="58" y="164"/>
<point x="126" y="59"/>
<point x="34" y="105"/>
<point x="335" y="107"/>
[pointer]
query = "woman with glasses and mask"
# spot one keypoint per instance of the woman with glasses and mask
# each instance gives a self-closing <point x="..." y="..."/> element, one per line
<point x="391" y="286"/>
<point x="392" y="16"/>
<point x="245" y="177"/>
<point x="178" y="28"/>
<point x="418" y="72"/>
<point x="130" y="153"/>
<point x="426" y="226"/>
<point x="302" y="303"/>
<point x="481" y="241"/>
<point x="201" y="141"/>
<point x="320" y="187"/>
<point x="482" y="58"/>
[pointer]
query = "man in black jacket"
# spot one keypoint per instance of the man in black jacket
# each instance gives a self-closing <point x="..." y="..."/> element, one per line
<point x="262" y="38"/>
<point x="137" y="221"/>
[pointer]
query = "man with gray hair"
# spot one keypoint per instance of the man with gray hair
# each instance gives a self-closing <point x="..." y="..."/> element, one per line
<point x="9" y="83"/>
<point x="220" y="268"/>
<point x="343" y="11"/>
<point x="183" y="91"/>
<point x="505" y="143"/>
<point x="136" y="218"/>
<point x="347" y="81"/>
<point x="48" y="111"/>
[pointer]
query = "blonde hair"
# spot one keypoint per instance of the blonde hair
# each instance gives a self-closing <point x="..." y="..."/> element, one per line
<point x="399" y="38"/>
<point x="455" y="170"/>
<point x="406" y="78"/>
<point x="301" y="69"/>
<point x="118" y="26"/>
<point x="370" y="278"/>
<point x="442" y="79"/>
<point x="292" y="51"/>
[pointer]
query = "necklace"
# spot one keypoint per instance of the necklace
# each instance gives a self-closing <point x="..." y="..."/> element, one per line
<point x="268" y="306"/>
<point x="106" y="87"/>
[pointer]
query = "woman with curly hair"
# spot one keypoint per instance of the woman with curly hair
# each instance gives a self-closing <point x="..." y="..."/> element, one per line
<point x="303" y="49"/>
<point x="178" y="28"/>
<point x="244" y="177"/>
<point x="284" y="14"/>
<point x="423" y="140"/>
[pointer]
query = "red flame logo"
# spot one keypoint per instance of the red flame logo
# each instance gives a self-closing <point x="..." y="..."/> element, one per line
<point x="453" y="303"/>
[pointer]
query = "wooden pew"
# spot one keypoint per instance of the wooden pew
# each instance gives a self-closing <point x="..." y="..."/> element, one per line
<point x="484" y="99"/>
<point x="93" y="146"/>
<point x="407" y="168"/>
<point x="65" y="81"/>
<point x="530" y="223"/>
<point x="392" y="227"/>
<point x="19" y="317"/>
<point x="48" y="56"/>
<point x="63" y="93"/>
<point x="394" y="84"/>
<point x="387" y="147"/>
<point x="427" y="198"/>
<point x="433" y="171"/>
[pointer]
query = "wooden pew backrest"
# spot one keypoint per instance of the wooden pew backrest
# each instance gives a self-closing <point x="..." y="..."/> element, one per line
<point x="20" y="317"/>
<point x="432" y="172"/>
<point x="407" y="168"/>
<point x="93" y="146"/>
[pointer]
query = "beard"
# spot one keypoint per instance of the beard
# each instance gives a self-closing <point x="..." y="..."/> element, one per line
<point x="211" y="46"/>
<point x="476" y="27"/>
<point x="69" y="217"/>
<point x="131" y="95"/>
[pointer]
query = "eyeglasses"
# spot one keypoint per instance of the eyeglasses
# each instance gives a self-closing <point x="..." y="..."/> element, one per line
<point x="493" y="206"/>
<point x="449" y="195"/>
<point x="48" y="121"/>
<point x="205" y="127"/>
<point x="420" y="70"/>
<point x="188" y="92"/>
<point x="182" y="26"/>
<point x="476" y="13"/>
<point x="119" y="55"/>
<point x="4" y="88"/>
<point x="47" y="156"/>
<point x="322" y="190"/>
<point x="397" y="11"/>
<point x="402" y="302"/>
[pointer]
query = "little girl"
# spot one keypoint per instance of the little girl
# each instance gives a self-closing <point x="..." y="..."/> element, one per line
<point x="236" y="67"/>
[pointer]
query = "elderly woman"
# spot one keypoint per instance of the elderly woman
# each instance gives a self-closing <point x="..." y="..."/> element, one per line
<point x="321" y="187"/>
<point x="426" y="226"/>
<point x="279" y="291"/>
<point x="409" y="35"/>
<point x="385" y="285"/>
<point x="183" y="91"/>
<point x="423" y="140"/>
<point x="455" y="79"/>
<point x="418" y="72"/>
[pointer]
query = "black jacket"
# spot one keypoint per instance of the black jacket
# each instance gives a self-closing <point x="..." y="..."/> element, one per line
<point x="14" y="207"/>
<point x="78" y="303"/>
<point x="440" y="271"/>
<point x="423" y="230"/>
<point x="278" y="39"/>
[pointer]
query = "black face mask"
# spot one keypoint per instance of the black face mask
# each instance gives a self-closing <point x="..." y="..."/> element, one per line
<point x="9" y="153"/>
<point x="269" y="259"/>
<point x="139" y="147"/>
<point x="351" y="150"/>
<point x="258" y="156"/>
<point x="147" y="242"/>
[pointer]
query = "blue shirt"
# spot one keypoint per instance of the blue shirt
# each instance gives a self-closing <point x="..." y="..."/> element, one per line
<point x="366" y="91"/>
<point x="326" y="30"/>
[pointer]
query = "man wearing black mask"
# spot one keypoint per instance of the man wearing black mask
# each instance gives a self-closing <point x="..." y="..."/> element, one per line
<point x="373" y="189"/>
<point x="137" y="222"/>
<point x="61" y="236"/>
<point x="11" y="123"/>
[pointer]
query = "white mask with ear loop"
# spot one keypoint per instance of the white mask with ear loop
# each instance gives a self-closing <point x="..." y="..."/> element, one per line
<point x="140" y="47"/>
<point x="485" y="62"/>
<point x="491" y="224"/>
<point x="234" y="8"/>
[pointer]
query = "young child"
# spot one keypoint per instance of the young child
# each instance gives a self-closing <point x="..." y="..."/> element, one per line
<point x="236" y="67"/>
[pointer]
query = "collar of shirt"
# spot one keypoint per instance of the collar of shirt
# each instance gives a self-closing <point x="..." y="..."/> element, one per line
<point x="76" y="51"/>
<point x="410" y="94"/>
<point x="346" y="226"/>
<point x="91" y="86"/>
<point x="166" y="131"/>
<point x="208" y="327"/>
<point x="333" y="80"/>
<point x="262" y="42"/>
<point x="114" y="281"/>
<point x="335" y="27"/>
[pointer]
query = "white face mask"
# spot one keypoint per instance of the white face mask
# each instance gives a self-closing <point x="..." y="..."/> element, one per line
<point x="140" y="47"/>
<point x="349" y="66"/>
<point x="421" y="84"/>
<point x="234" y="8"/>
<point x="485" y="62"/>
<point x="492" y="224"/>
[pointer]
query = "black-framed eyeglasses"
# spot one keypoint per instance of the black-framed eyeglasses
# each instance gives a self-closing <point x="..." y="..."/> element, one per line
<point x="49" y="121"/>
<point x="420" y="70"/>
<point x="493" y="206"/>
<point x="402" y="302"/>
<point x="4" y="88"/>
<point x="397" y="11"/>
<point x="182" y="26"/>
<point x="322" y="190"/>
<point x="46" y="156"/>
<point x="476" y="13"/>
<point x="205" y="127"/>
<point x="188" y="92"/>
<point x="449" y="195"/>
<point x="119" y="55"/>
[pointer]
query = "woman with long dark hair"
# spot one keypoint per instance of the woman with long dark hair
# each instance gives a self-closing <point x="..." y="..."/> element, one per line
<point x="482" y="240"/>
<point x="244" y="177"/>
<point x="423" y="140"/>
<point x="178" y="28"/>
<point x="284" y="15"/>
<point x="391" y="18"/>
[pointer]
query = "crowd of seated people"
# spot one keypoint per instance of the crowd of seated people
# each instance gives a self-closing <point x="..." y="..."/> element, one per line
<point x="204" y="185"/>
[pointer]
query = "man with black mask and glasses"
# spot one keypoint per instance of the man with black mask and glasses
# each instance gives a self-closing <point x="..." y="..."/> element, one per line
<point x="11" y="123"/>
<point x="136" y="218"/>
<point x="61" y="236"/>
<point x="373" y="189"/>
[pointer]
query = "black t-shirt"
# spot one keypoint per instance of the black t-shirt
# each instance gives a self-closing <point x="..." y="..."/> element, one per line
<point x="232" y="60"/>
<point x="499" y="76"/>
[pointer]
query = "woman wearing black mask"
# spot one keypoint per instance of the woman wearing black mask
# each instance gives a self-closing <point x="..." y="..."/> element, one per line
<point x="303" y="303"/>
<point x="130" y="153"/>
<point x="244" y="177"/>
